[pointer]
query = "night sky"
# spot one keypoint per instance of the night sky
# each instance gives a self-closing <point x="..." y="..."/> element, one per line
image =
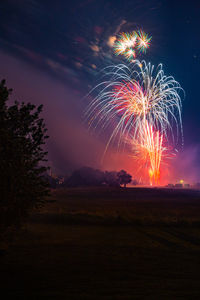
<point x="51" y="52"/>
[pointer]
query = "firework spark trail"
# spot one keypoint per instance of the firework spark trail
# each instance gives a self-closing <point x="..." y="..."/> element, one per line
<point x="144" y="102"/>
<point x="149" y="150"/>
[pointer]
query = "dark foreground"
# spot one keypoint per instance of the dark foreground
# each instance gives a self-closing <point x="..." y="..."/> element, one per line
<point x="108" y="244"/>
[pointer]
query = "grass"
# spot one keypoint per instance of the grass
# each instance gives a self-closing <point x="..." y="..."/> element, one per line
<point x="104" y="243"/>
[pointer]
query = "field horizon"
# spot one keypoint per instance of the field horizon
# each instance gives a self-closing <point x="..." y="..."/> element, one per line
<point x="107" y="243"/>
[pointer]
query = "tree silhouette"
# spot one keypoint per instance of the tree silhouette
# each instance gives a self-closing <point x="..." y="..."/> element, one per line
<point x="124" y="177"/>
<point x="111" y="178"/>
<point x="85" y="176"/>
<point x="22" y="136"/>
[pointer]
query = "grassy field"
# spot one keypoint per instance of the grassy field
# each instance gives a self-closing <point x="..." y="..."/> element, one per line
<point x="99" y="243"/>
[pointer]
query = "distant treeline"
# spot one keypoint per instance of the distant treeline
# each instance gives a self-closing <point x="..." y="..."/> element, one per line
<point x="87" y="176"/>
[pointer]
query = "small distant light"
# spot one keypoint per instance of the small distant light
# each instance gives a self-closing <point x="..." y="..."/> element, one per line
<point x="93" y="66"/>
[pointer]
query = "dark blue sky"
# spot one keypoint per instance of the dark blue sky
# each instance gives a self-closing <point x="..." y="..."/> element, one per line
<point x="68" y="42"/>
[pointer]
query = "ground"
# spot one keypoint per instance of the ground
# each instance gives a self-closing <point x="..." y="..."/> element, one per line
<point x="99" y="243"/>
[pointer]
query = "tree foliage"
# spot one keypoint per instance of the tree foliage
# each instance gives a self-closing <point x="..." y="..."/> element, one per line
<point x="124" y="177"/>
<point x="111" y="178"/>
<point x="86" y="176"/>
<point x="22" y="136"/>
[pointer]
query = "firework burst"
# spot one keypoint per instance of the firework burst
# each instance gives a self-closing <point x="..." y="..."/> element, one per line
<point x="143" y="41"/>
<point x="144" y="104"/>
<point x="129" y="43"/>
<point x="136" y="92"/>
